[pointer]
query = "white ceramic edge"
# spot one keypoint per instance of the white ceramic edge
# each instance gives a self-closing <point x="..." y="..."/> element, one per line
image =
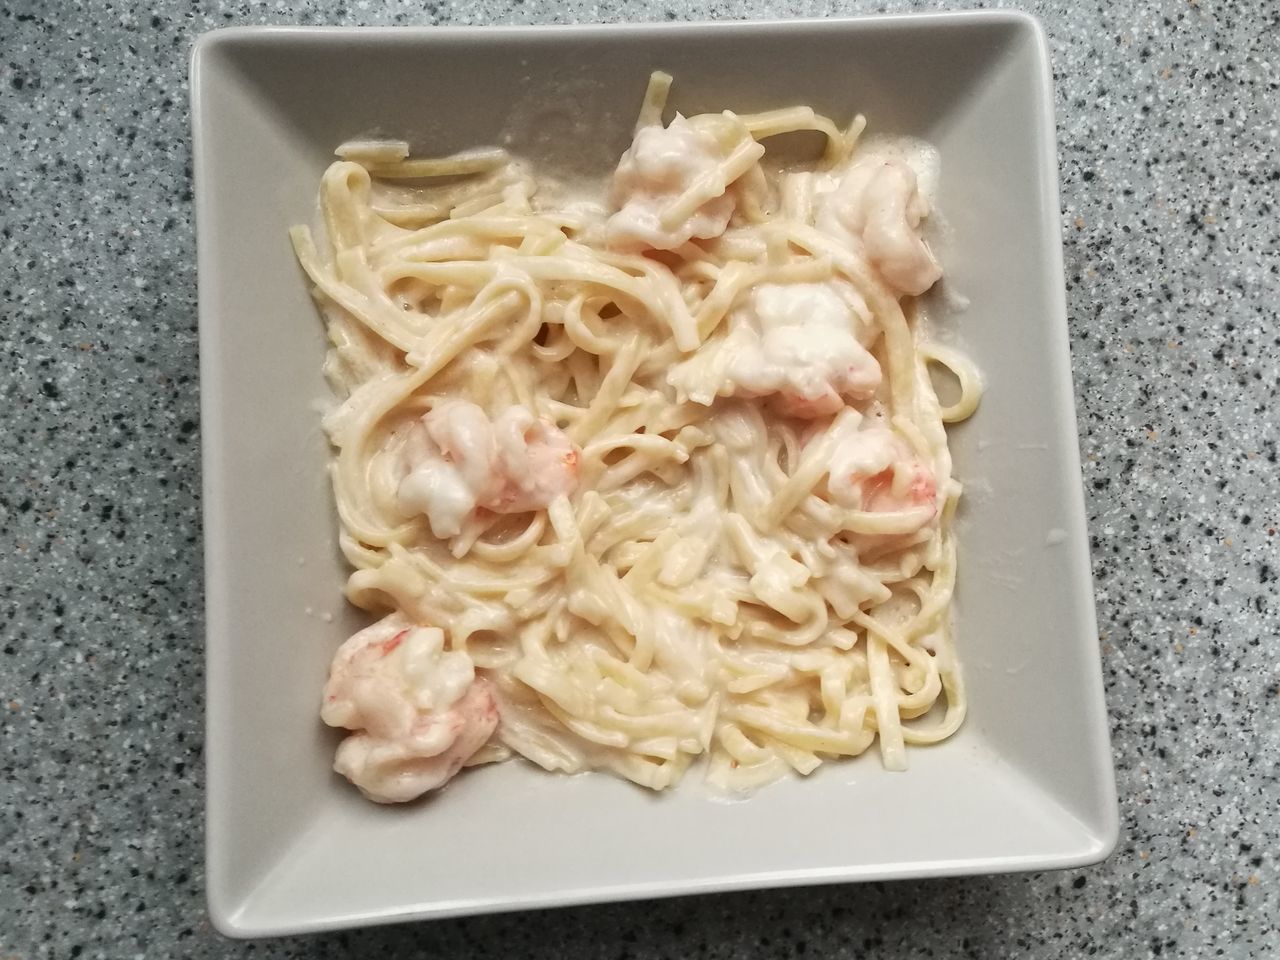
<point x="231" y="925"/>
<point x="224" y="916"/>
<point x="215" y="587"/>
<point x="513" y="30"/>
<point x="1078" y="528"/>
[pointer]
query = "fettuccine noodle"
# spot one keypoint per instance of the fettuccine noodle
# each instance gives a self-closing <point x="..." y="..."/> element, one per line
<point x="638" y="484"/>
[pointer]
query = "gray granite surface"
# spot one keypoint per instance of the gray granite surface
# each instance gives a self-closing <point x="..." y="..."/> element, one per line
<point x="1168" y="136"/>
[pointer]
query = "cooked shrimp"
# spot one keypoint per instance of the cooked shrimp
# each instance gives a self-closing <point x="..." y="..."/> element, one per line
<point x="455" y="461"/>
<point x="878" y="207"/>
<point x="808" y="408"/>
<point x="418" y="712"/>
<point x="803" y="345"/>
<point x="661" y="164"/>
<point x="536" y="463"/>
<point x="874" y="469"/>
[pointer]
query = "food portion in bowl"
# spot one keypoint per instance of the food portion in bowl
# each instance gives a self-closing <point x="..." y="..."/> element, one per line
<point x="639" y="482"/>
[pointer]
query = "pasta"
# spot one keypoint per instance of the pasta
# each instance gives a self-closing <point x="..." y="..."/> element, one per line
<point x="639" y="484"/>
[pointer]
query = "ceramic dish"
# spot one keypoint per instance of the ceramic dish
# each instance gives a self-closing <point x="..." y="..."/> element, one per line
<point x="1027" y="783"/>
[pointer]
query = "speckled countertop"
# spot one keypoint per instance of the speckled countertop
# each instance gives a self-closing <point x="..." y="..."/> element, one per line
<point x="1167" y="123"/>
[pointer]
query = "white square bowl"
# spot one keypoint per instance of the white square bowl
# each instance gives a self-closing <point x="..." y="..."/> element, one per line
<point x="1027" y="784"/>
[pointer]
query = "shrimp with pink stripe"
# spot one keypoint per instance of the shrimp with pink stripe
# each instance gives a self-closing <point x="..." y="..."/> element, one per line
<point x="456" y="460"/>
<point x="417" y="711"/>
